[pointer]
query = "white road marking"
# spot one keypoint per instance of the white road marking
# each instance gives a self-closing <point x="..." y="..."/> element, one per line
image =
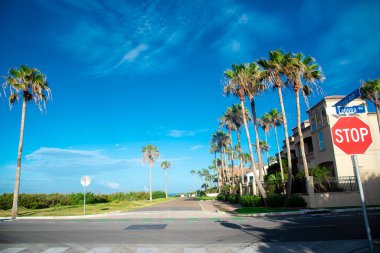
<point x="55" y="250"/>
<point x="243" y="250"/>
<point x="100" y="250"/>
<point x="12" y="250"/>
<point x="146" y="250"/>
<point x="194" y="250"/>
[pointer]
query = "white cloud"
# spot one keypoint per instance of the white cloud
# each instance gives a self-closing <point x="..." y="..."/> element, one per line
<point x="181" y="133"/>
<point x="134" y="53"/>
<point x="196" y="147"/>
<point x="112" y="185"/>
<point x="74" y="161"/>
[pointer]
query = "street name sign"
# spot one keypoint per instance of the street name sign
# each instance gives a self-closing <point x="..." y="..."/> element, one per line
<point x="347" y="99"/>
<point x="351" y="109"/>
<point x="351" y="135"/>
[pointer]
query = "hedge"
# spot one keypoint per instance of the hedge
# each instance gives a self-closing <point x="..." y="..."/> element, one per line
<point x="39" y="201"/>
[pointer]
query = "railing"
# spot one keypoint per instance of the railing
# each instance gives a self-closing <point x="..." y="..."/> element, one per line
<point x="330" y="184"/>
<point x="335" y="184"/>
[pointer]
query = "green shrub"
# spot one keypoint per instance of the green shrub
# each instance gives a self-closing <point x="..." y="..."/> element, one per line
<point x="296" y="201"/>
<point x="276" y="200"/>
<point x="251" y="201"/>
<point x="221" y="197"/>
<point x="158" y="195"/>
<point x="6" y="201"/>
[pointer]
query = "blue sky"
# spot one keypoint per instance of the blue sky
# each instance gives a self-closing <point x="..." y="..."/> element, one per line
<point x="128" y="73"/>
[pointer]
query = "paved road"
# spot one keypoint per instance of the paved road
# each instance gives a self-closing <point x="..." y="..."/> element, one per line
<point x="183" y="204"/>
<point x="328" y="233"/>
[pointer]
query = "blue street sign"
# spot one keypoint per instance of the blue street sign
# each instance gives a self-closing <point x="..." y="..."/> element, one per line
<point x="351" y="109"/>
<point x="347" y="99"/>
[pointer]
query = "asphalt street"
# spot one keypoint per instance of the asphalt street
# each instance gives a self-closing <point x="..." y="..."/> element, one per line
<point x="343" y="231"/>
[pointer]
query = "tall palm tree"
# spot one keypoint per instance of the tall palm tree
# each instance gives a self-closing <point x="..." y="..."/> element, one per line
<point x="213" y="150"/>
<point x="265" y="124"/>
<point x="200" y="174"/>
<point x="300" y="68"/>
<point x="31" y="84"/>
<point x="229" y="122"/>
<point x="255" y="88"/>
<point x="222" y="140"/>
<point x="166" y="165"/>
<point x="206" y="174"/>
<point x="371" y="90"/>
<point x="193" y="173"/>
<point x="276" y="120"/>
<point x="274" y="68"/>
<point x="236" y="79"/>
<point x="238" y="121"/>
<point x="150" y="153"/>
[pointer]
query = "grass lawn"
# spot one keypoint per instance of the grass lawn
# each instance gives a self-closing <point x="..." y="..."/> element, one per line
<point x="254" y="210"/>
<point x="75" y="210"/>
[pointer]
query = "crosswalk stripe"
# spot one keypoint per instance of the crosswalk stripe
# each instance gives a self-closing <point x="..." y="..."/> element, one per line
<point x="11" y="250"/>
<point x="146" y="250"/>
<point x="243" y="250"/>
<point x="100" y="250"/>
<point x="194" y="250"/>
<point x="55" y="250"/>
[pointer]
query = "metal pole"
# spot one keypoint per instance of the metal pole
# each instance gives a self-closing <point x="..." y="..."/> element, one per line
<point x="365" y="216"/>
<point x="84" y="202"/>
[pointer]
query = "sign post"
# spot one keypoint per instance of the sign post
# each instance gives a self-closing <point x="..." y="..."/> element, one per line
<point x="85" y="181"/>
<point x="353" y="137"/>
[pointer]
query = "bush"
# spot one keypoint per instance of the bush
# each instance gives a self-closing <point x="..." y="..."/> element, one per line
<point x="296" y="201"/>
<point x="276" y="200"/>
<point x="251" y="201"/>
<point x="158" y="194"/>
<point x="221" y="197"/>
<point x="232" y="198"/>
<point x="6" y="201"/>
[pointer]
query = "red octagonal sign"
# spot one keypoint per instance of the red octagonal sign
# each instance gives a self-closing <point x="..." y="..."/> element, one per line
<point x="351" y="135"/>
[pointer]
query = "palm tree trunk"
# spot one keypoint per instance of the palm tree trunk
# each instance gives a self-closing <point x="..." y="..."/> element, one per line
<point x="166" y="183"/>
<point x="279" y="155"/>
<point x="257" y="180"/>
<point x="150" y="180"/>
<point x="302" y="144"/>
<point x="232" y="160"/>
<point x="258" y="150"/>
<point x="240" y="162"/>
<point x="377" y="112"/>
<point x="285" y="124"/>
<point x="19" y="155"/>
<point x="267" y="151"/>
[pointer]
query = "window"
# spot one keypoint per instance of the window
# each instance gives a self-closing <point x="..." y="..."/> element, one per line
<point x="324" y="117"/>
<point x="321" y="141"/>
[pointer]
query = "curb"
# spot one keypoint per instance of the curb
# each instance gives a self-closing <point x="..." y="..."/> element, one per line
<point x="306" y="211"/>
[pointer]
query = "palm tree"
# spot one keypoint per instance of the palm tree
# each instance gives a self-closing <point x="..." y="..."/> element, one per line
<point x="237" y="79"/>
<point x="274" y="68"/>
<point x="200" y="174"/>
<point x="193" y="173"/>
<point x="31" y="84"/>
<point x="254" y="88"/>
<point x="265" y="124"/>
<point x="213" y="150"/>
<point x="222" y="140"/>
<point x="229" y="122"/>
<point x="238" y="121"/>
<point x="206" y="174"/>
<point x="371" y="90"/>
<point x="276" y="120"/>
<point x="166" y="165"/>
<point x="150" y="153"/>
<point x="300" y="68"/>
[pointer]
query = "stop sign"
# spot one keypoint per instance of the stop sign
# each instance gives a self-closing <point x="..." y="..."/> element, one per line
<point x="351" y="135"/>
